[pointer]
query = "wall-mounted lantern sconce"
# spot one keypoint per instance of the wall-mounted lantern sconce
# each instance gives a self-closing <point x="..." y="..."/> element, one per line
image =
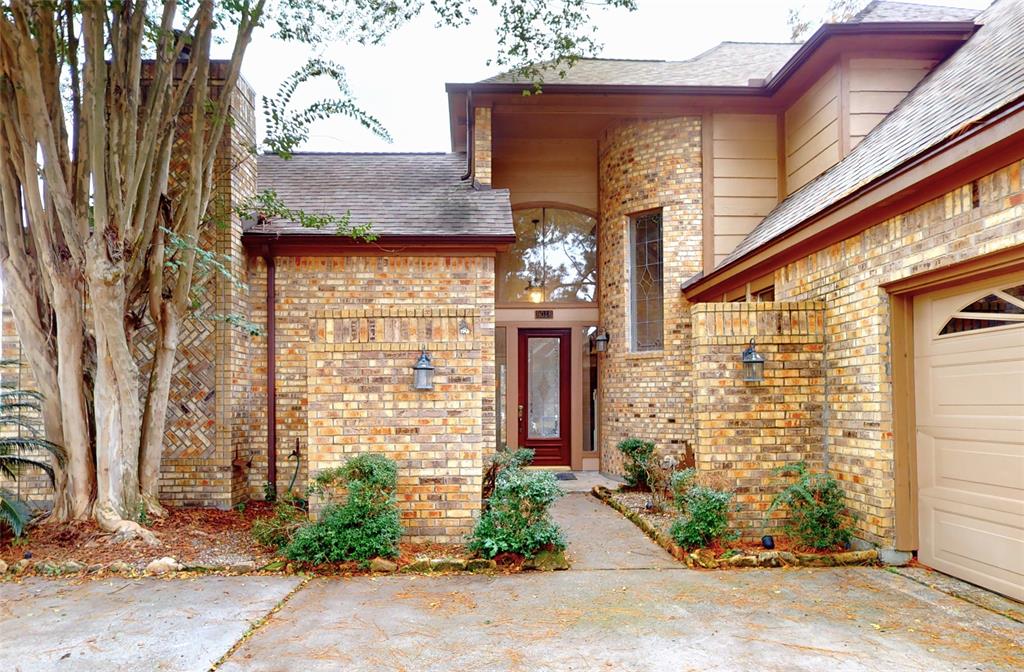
<point x="423" y="373"/>
<point x="600" y="343"/>
<point x="753" y="364"/>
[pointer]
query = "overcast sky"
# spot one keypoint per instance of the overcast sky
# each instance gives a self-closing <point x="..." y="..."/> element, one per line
<point x="402" y="81"/>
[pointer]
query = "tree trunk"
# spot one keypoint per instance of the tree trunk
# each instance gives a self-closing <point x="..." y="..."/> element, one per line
<point x="155" y="419"/>
<point x="115" y="401"/>
<point x="74" y="413"/>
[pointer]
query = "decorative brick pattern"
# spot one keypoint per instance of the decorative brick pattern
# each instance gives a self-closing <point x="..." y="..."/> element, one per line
<point x="847" y="277"/>
<point x="745" y="429"/>
<point x="643" y="166"/>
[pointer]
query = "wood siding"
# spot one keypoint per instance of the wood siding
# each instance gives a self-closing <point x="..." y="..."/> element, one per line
<point x="746" y="172"/>
<point x="876" y="87"/>
<point x="547" y="171"/>
<point x="812" y="131"/>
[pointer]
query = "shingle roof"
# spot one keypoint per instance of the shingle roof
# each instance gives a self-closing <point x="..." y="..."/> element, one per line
<point x="984" y="75"/>
<point x="883" y="11"/>
<point x="728" y="64"/>
<point x="397" y="194"/>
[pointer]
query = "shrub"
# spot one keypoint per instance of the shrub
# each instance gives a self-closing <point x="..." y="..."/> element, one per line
<point x="517" y="518"/>
<point x="364" y="525"/>
<point x="505" y="458"/>
<point x="638" y="454"/>
<point x="817" y="511"/>
<point x="277" y="530"/>
<point x="704" y="509"/>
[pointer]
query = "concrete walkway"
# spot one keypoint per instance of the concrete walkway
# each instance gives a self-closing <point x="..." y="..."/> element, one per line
<point x="625" y="606"/>
<point x="600" y="538"/>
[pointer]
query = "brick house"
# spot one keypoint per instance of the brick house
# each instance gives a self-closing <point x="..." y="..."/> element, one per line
<point x="589" y="264"/>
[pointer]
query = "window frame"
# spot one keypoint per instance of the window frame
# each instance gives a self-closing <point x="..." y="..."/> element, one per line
<point x="634" y="219"/>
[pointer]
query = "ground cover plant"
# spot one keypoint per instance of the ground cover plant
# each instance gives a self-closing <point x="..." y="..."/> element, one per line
<point x="363" y="524"/>
<point x="817" y="513"/>
<point x="517" y="519"/>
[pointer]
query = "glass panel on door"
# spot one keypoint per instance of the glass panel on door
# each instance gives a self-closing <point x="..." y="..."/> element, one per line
<point x="544" y="393"/>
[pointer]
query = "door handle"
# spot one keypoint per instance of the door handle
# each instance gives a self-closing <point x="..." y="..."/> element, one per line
<point x="520" y="414"/>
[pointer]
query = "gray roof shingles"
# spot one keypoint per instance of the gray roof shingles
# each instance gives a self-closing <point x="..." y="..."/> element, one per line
<point x="396" y="194"/>
<point x="728" y="64"/>
<point x="980" y="78"/>
<point x="881" y="11"/>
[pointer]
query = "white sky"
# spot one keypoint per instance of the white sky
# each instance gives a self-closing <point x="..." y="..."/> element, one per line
<point x="402" y="81"/>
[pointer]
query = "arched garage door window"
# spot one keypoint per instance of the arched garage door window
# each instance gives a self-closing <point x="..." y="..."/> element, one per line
<point x="998" y="309"/>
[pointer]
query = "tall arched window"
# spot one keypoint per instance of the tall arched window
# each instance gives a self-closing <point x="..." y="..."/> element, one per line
<point x="554" y="259"/>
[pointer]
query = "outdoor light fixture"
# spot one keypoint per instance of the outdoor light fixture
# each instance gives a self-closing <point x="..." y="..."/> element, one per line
<point x="423" y="373"/>
<point x="535" y="291"/>
<point x="601" y="342"/>
<point x="753" y="364"/>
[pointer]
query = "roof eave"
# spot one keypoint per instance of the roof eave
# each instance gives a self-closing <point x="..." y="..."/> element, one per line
<point x="963" y="29"/>
<point x="322" y="244"/>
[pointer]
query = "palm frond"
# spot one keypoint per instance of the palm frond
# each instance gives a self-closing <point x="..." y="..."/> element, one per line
<point x="12" y="443"/>
<point x="20" y="394"/>
<point x="13" y="512"/>
<point x="11" y="464"/>
<point x="30" y="425"/>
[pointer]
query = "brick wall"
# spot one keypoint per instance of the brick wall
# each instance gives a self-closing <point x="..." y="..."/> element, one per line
<point x="745" y="429"/>
<point x="642" y="166"/>
<point x="847" y="277"/>
<point x="483" y="140"/>
<point x="355" y="385"/>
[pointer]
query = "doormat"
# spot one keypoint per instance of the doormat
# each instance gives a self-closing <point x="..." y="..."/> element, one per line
<point x="565" y="476"/>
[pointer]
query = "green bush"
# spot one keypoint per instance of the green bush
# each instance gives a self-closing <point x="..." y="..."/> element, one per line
<point x="638" y="454"/>
<point x="517" y="518"/>
<point x="504" y="458"/>
<point x="818" y="516"/>
<point x="705" y="512"/>
<point x="277" y="530"/>
<point x="364" y="525"/>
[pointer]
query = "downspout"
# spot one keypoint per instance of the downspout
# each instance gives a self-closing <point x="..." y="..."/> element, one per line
<point x="271" y="372"/>
<point x="470" y="119"/>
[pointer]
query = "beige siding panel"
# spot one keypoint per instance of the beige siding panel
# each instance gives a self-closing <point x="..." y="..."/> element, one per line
<point x="876" y="86"/>
<point x="548" y="170"/>
<point x="828" y="158"/>
<point x="745" y="149"/>
<point x="861" y="124"/>
<point x="743" y="207"/>
<point x="757" y="168"/>
<point x="745" y="187"/>
<point x="885" y="79"/>
<point x="875" y="102"/>
<point x="745" y="169"/>
<point x="812" y="131"/>
<point x="734" y="225"/>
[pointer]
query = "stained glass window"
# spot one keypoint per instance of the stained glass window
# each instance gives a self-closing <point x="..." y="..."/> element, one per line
<point x="647" y="280"/>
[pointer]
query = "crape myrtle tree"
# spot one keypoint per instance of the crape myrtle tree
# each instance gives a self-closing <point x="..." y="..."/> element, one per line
<point x="96" y="242"/>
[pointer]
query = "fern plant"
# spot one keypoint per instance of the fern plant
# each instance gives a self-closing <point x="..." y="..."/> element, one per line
<point x="20" y="434"/>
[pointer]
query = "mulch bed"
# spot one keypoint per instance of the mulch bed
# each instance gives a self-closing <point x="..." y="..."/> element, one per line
<point x="730" y="554"/>
<point x="195" y="537"/>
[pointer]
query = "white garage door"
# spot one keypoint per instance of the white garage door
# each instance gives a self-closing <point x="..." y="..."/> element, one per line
<point x="969" y="387"/>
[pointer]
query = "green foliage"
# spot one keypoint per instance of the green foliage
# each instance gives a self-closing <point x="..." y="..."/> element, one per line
<point x="364" y="525"/>
<point x="818" y="516"/>
<point x="20" y="433"/>
<point x="142" y="513"/>
<point x="503" y="458"/>
<point x="277" y="530"/>
<point x="705" y="511"/>
<point x="638" y="454"/>
<point x="517" y="518"/>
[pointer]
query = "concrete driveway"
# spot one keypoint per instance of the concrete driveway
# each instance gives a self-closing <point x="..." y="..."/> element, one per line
<point x="623" y="607"/>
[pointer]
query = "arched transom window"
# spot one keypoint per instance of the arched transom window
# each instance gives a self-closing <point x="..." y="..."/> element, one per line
<point x="554" y="259"/>
<point x="997" y="309"/>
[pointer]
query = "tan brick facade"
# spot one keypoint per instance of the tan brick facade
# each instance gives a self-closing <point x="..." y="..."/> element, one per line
<point x="848" y="277"/>
<point x="483" y="134"/>
<point x="745" y="430"/>
<point x="644" y="166"/>
<point x="348" y="332"/>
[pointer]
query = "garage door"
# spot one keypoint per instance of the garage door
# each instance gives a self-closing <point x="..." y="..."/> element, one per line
<point x="969" y="390"/>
